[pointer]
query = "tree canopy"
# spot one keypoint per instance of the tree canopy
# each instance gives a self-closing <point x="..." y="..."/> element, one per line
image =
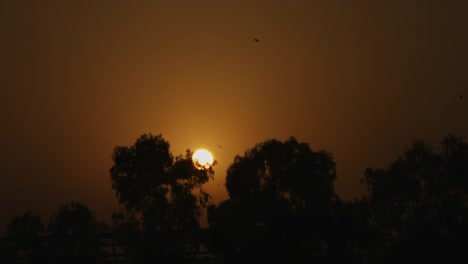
<point x="282" y="207"/>
<point x="279" y="192"/>
<point x="420" y="201"/>
<point x="73" y="235"/>
<point x="282" y="170"/>
<point x="26" y="233"/>
<point x="165" y="192"/>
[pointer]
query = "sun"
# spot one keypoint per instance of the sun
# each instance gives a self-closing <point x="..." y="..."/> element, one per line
<point x="202" y="159"/>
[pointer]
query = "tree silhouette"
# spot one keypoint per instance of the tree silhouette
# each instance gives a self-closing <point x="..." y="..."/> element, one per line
<point x="73" y="235"/>
<point x="419" y="202"/>
<point x="280" y="195"/>
<point x="26" y="235"/>
<point x="353" y="238"/>
<point x="126" y="231"/>
<point x="164" y="193"/>
<point x="289" y="170"/>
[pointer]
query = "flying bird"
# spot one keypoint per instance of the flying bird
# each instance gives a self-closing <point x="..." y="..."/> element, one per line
<point x="256" y="40"/>
<point x="219" y="146"/>
<point x="461" y="96"/>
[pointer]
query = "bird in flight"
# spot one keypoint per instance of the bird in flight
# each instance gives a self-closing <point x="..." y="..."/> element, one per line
<point x="461" y="96"/>
<point x="219" y="146"/>
<point x="256" y="40"/>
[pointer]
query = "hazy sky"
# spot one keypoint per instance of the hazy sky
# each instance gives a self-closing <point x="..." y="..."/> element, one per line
<point x="360" y="79"/>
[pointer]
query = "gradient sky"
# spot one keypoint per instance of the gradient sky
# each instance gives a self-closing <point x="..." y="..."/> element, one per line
<point x="360" y="79"/>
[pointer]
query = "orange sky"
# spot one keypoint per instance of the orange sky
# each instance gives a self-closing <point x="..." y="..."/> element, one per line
<point x="355" y="78"/>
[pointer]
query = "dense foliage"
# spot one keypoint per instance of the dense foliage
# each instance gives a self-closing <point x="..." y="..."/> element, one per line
<point x="282" y="207"/>
<point x="162" y="194"/>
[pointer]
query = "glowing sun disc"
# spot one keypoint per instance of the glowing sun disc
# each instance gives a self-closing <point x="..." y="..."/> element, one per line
<point x="202" y="158"/>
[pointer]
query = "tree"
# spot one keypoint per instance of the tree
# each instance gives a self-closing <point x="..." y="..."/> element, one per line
<point x="289" y="170"/>
<point x="280" y="194"/>
<point x="127" y="233"/>
<point x="73" y="234"/>
<point x="420" y="201"/>
<point x="26" y="234"/>
<point x="164" y="192"/>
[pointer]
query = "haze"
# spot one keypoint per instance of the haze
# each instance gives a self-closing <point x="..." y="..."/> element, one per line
<point x="360" y="79"/>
